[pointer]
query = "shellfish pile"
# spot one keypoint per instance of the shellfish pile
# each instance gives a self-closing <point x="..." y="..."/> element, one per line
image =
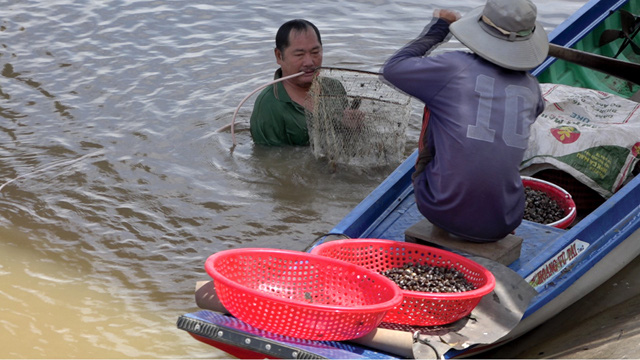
<point x="541" y="208"/>
<point x="425" y="278"/>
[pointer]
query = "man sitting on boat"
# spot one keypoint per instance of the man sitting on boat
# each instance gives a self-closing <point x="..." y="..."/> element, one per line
<point x="479" y="107"/>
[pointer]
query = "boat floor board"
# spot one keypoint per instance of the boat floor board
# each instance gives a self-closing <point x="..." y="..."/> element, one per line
<point x="536" y="237"/>
<point x="505" y="251"/>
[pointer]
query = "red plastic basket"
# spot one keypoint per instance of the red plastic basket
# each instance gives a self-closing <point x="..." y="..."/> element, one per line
<point x="586" y="198"/>
<point x="302" y="295"/>
<point x="417" y="308"/>
<point x="558" y="194"/>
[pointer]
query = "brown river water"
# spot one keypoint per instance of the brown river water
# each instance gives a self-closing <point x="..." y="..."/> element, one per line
<point x="115" y="185"/>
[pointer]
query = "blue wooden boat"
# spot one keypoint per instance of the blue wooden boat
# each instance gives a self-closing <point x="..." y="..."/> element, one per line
<point x="603" y="241"/>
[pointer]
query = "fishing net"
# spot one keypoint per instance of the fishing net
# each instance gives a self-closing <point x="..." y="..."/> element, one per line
<point x="356" y="119"/>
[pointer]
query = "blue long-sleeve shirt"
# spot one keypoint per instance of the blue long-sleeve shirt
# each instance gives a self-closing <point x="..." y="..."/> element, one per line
<point x="480" y="115"/>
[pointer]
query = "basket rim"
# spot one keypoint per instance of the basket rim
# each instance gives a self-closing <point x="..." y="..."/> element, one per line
<point x="383" y="306"/>
<point x="479" y="292"/>
<point x="571" y="214"/>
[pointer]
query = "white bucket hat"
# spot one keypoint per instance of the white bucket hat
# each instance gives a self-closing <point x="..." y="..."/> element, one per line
<point x="504" y="32"/>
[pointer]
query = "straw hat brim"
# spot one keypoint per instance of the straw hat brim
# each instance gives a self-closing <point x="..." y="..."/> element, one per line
<point x="516" y="55"/>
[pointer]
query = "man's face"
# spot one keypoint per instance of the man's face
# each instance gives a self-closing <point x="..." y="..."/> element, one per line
<point x="303" y="54"/>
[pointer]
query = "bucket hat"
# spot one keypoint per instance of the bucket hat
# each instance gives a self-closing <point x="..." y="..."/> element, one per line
<point x="504" y="32"/>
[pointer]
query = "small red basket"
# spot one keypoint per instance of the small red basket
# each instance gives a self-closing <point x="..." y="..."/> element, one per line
<point x="559" y="195"/>
<point x="417" y="308"/>
<point x="585" y="198"/>
<point x="302" y="295"/>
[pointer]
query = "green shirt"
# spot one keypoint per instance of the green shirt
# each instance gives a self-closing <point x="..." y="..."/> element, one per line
<point x="277" y="120"/>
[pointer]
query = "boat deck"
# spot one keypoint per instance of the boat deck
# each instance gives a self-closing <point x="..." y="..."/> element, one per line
<point x="536" y="237"/>
<point x="399" y="212"/>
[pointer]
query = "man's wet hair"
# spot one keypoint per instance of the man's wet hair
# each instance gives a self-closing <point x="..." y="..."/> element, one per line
<point x="282" y="36"/>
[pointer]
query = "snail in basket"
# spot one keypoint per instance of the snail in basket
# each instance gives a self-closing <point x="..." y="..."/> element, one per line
<point x="425" y="278"/>
<point x="540" y="207"/>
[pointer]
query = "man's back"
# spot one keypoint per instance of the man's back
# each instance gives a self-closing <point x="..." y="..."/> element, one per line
<point x="479" y="122"/>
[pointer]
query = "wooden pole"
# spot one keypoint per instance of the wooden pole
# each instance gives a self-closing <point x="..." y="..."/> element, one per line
<point x="614" y="67"/>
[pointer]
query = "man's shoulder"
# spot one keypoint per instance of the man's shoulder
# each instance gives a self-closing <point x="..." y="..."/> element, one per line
<point x="270" y="97"/>
<point x="267" y="93"/>
<point x="450" y="61"/>
<point x="456" y="57"/>
<point x="274" y="103"/>
<point x="461" y="60"/>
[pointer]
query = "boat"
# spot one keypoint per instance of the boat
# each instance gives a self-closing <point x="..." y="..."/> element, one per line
<point x="562" y="265"/>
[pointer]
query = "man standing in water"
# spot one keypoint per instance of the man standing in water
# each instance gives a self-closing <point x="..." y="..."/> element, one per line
<point x="478" y="110"/>
<point x="278" y="116"/>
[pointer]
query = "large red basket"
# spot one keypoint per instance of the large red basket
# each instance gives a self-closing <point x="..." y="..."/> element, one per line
<point x="302" y="295"/>
<point x="417" y="308"/>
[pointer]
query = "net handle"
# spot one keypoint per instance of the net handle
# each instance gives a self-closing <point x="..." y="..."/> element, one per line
<point x="350" y="70"/>
<point x="362" y="72"/>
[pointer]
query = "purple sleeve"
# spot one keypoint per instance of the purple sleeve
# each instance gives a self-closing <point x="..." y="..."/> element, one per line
<point x="408" y="69"/>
